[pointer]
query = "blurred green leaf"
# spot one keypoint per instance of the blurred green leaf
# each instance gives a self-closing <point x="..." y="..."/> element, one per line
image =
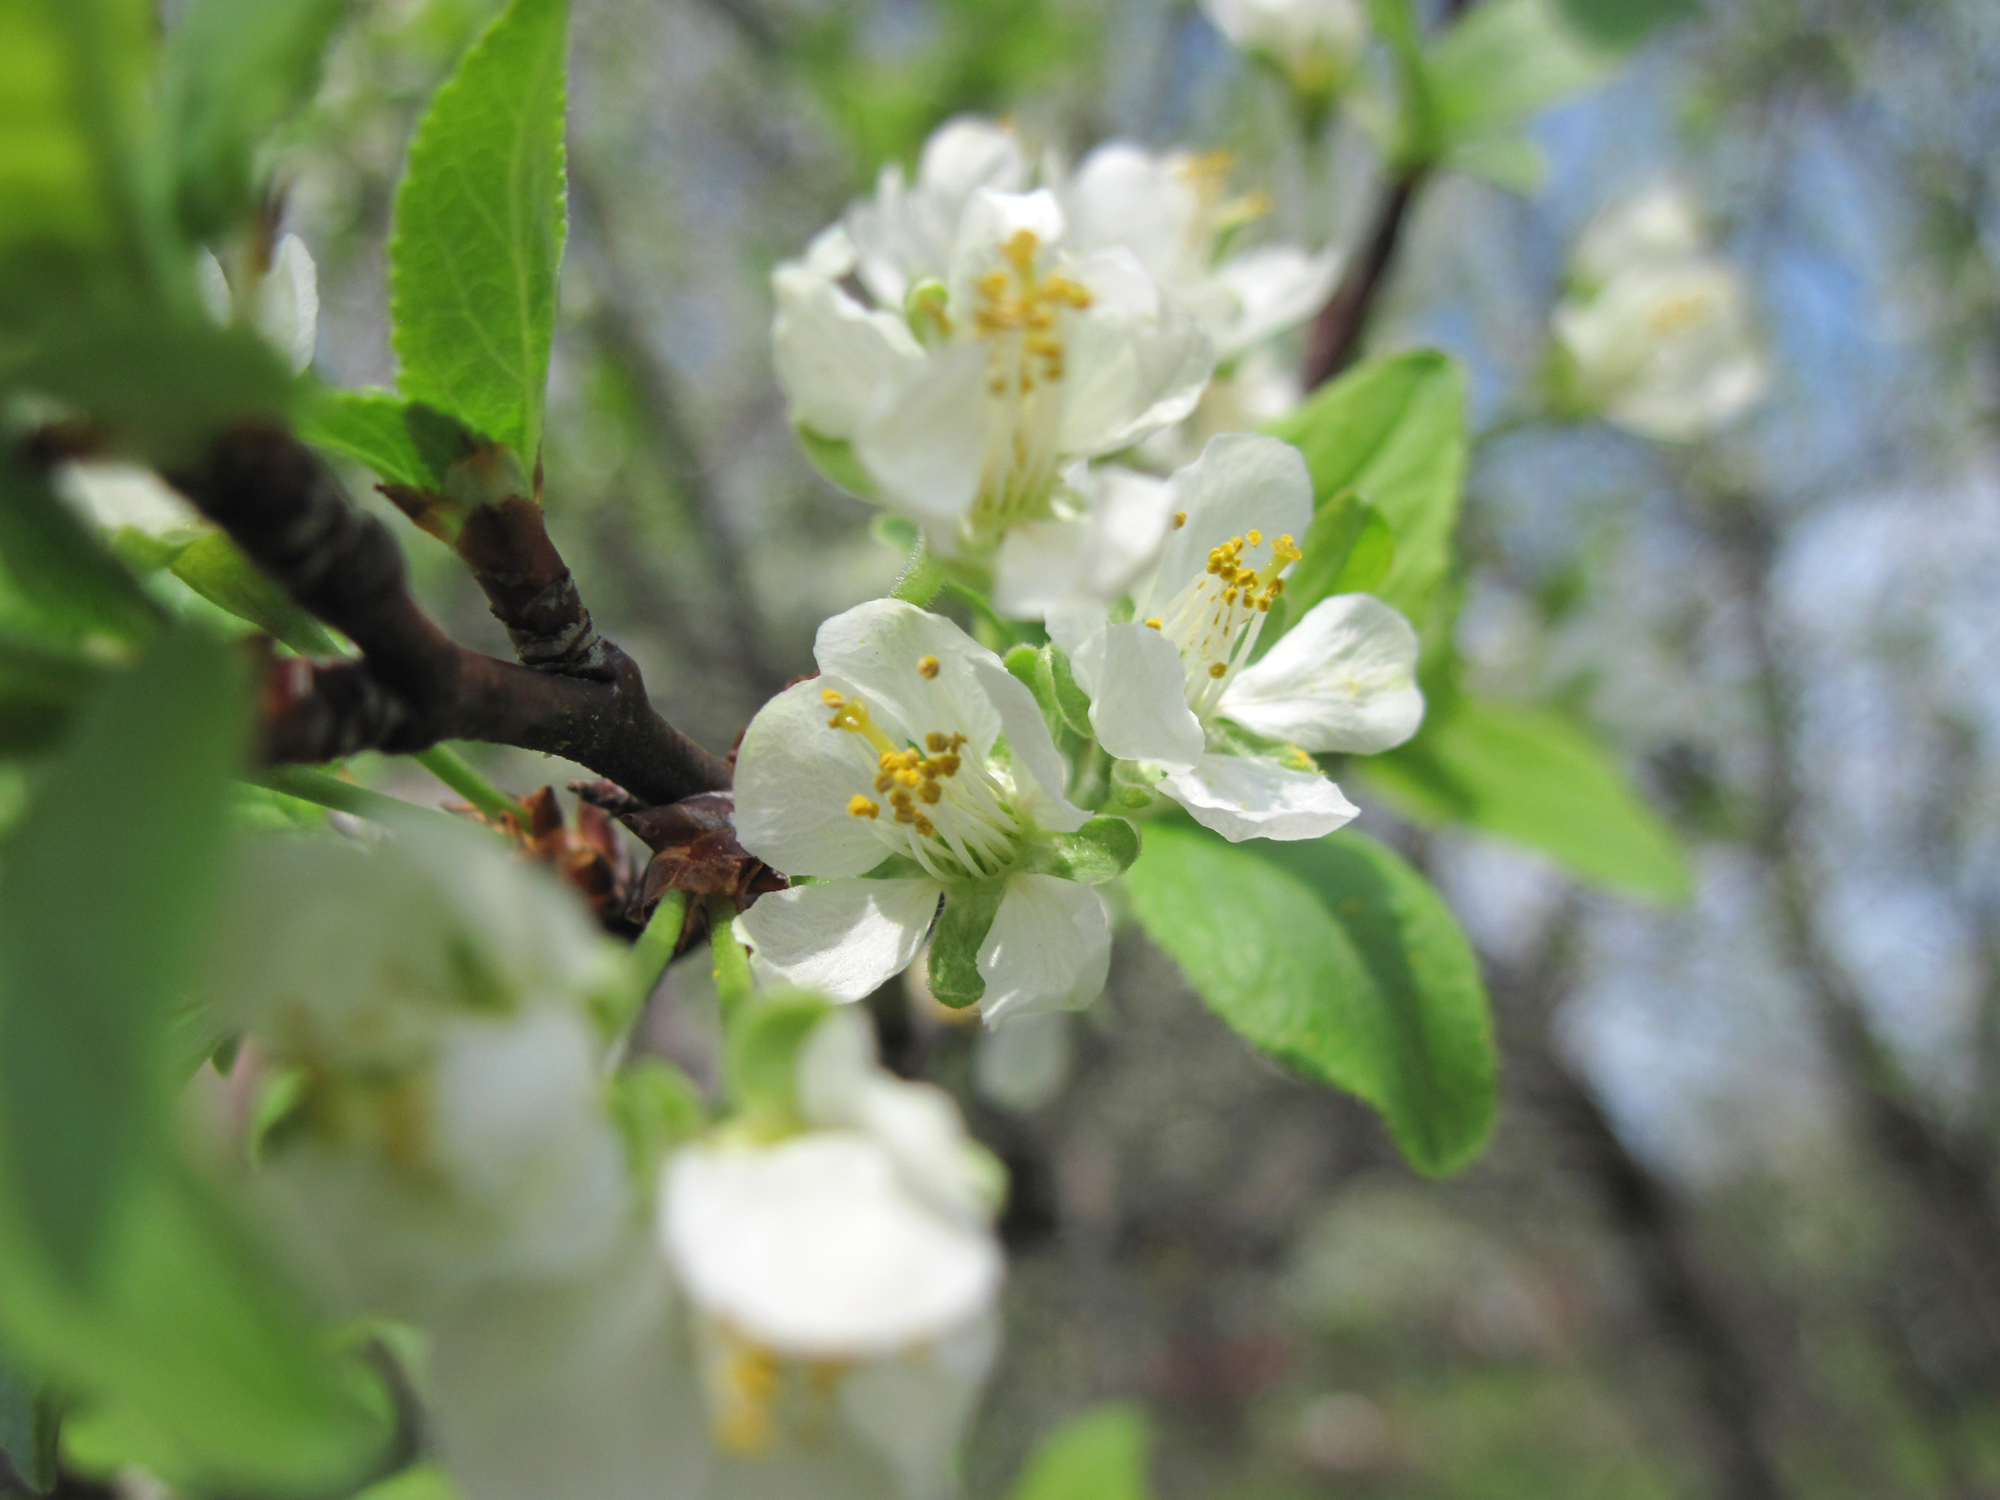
<point x="1101" y="1455"/>
<point x="233" y="71"/>
<point x="189" y="1357"/>
<point x="419" y="1482"/>
<point x="1349" y="549"/>
<point x="401" y="441"/>
<point x="655" y="1106"/>
<point x="1334" y="956"/>
<point x="1392" y="431"/>
<point x="1505" y="61"/>
<point x="1531" y="776"/>
<point x="216" y="569"/>
<point x="763" y="1047"/>
<point x="1507" y="161"/>
<point x="102" y="902"/>
<point x="29" y="1423"/>
<point x="478" y="240"/>
<point x="40" y="692"/>
<point x="1621" y="25"/>
<point x="60" y="569"/>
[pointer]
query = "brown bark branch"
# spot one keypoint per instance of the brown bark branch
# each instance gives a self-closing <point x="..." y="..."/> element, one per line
<point x="1336" y="332"/>
<point x="506" y="548"/>
<point x="413" y="686"/>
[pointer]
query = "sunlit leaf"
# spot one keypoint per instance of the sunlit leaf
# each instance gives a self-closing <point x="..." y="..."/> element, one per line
<point x="478" y="239"/>
<point x="1531" y="776"/>
<point x="1392" y="431"/>
<point x="1101" y="1455"/>
<point x="233" y="71"/>
<point x="1334" y="956"/>
<point x="1507" y="60"/>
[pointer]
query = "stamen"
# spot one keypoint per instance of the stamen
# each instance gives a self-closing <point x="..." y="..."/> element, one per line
<point x="859" y="806"/>
<point x="928" y="666"/>
<point x="1155" y="622"/>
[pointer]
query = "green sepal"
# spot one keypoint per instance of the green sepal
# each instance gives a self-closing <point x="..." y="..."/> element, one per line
<point x="762" y="1051"/>
<point x="1101" y="850"/>
<point x="835" y="460"/>
<point x="655" y="1106"/>
<point x="1132" y="785"/>
<point x="961" y="928"/>
<point x="1046" y="671"/>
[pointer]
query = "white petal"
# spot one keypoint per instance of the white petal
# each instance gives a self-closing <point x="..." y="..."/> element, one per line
<point x="966" y="154"/>
<point x="288" y="303"/>
<point x="212" y="285"/>
<point x="1343" y="678"/>
<point x="794" y="779"/>
<point x="836" y="360"/>
<point x="1661" y="223"/>
<point x="1247" y="797"/>
<point x="1074" y="624"/>
<point x="925" y="442"/>
<point x="845" y="938"/>
<point x="115" y="496"/>
<point x="1049" y="948"/>
<point x="1242" y="482"/>
<point x="814" y="1249"/>
<point x="991" y="220"/>
<point x="1123" y="195"/>
<point x="880" y="646"/>
<point x="1137" y="359"/>
<point x="1138" y="696"/>
<point x="1270" y="289"/>
<point x="1039" y="772"/>
<point x="913" y="1408"/>
<point x="1051" y="566"/>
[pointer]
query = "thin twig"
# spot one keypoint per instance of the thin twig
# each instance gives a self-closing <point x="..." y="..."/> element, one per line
<point x="413" y="686"/>
<point x="1336" y="331"/>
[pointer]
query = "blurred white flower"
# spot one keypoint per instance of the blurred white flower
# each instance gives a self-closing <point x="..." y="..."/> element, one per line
<point x="1656" y="332"/>
<point x="905" y="234"/>
<point x="1314" y="43"/>
<point x="1248" y="397"/>
<point x="1175" y="687"/>
<point x="426" y="999"/>
<point x="961" y="405"/>
<point x="844" y="1277"/>
<point x="1173" y="212"/>
<point x="1107" y="528"/>
<point x="118" y="497"/>
<point x="883" y="780"/>
<point x="284" y="304"/>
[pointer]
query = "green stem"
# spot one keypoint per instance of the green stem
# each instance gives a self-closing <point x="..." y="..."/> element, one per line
<point x="455" y="772"/>
<point x="733" y="986"/>
<point x="648" y="961"/>
<point x="922" y="577"/>
<point x="341" y="796"/>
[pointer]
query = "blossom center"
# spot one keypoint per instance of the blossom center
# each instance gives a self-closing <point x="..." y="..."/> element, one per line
<point x="947" y="811"/>
<point x="1214" y="622"/>
<point x="1020" y="316"/>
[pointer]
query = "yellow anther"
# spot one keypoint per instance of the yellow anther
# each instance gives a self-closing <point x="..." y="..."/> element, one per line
<point x="1255" y="536"/>
<point x="1180" y="519"/>
<point x="747" y="1392"/>
<point x="1274" y="588"/>
<point x="859" y="806"/>
<point x="1216" y="669"/>
<point x="830" y="698"/>
<point x="884" y="781"/>
<point x="1020" y="251"/>
<point x="1156" y="622"/>
<point x="936" y="743"/>
<point x="928" y="666"/>
<point x="929" y="793"/>
<point x="948" y="764"/>
<point x="923" y="825"/>
<point x="851" y="714"/>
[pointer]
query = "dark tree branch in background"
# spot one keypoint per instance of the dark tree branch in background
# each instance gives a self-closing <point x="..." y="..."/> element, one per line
<point x="616" y="329"/>
<point x="1733" y="1403"/>
<point x="414" y="686"/>
<point x="1336" y="332"/>
<point x="1952" y="1174"/>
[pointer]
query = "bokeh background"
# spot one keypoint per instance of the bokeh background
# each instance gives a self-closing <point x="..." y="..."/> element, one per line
<point x="1737" y="1234"/>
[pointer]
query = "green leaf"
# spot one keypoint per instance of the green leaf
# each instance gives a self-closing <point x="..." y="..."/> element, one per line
<point x="1101" y="1455"/>
<point x="1620" y="25"/>
<point x="40" y="692"/>
<point x="961" y="927"/>
<point x="102" y="900"/>
<point x="1531" y="776"/>
<point x="1101" y="850"/>
<point x="763" y="1047"/>
<point x="216" y="569"/>
<point x="191" y="1358"/>
<point x="1349" y="549"/>
<point x="1337" y="958"/>
<point x="479" y="230"/>
<point x="1512" y="162"/>
<point x="1507" y="60"/>
<point x="835" y="460"/>
<point x="1393" y="432"/>
<point x="234" y="70"/>
<point x="401" y="441"/>
<point x="60" y="568"/>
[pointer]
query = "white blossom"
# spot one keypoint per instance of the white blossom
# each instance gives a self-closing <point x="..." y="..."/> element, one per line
<point x="1173" y="211"/>
<point x="961" y="404"/>
<point x="283" y="302"/>
<point x="844" y="1278"/>
<point x="1656" y="330"/>
<point x="1314" y="43"/>
<point x="1176" y="686"/>
<point x="891" y="764"/>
